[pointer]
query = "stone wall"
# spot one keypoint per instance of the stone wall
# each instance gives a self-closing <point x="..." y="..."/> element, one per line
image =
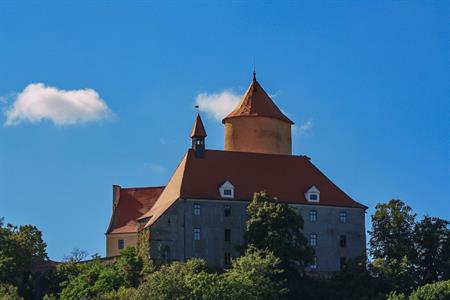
<point x="173" y="233"/>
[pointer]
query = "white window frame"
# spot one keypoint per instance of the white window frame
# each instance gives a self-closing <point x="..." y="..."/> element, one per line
<point x="312" y="191"/>
<point x="343" y="217"/>
<point x="313" y="215"/>
<point x="313" y="237"/>
<point x="197" y="210"/>
<point x="226" y="186"/>
<point x="197" y="234"/>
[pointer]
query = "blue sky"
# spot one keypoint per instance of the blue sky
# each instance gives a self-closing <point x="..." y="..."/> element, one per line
<point x="366" y="83"/>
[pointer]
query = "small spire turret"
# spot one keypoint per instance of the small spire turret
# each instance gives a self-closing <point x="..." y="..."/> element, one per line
<point x="198" y="136"/>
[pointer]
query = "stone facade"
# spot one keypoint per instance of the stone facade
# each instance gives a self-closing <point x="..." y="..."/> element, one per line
<point x="172" y="236"/>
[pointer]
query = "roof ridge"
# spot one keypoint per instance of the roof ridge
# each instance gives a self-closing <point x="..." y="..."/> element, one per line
<point x="143" y="187"/>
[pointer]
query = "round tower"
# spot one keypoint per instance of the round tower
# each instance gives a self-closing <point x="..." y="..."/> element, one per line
<point x="257" y="124"/>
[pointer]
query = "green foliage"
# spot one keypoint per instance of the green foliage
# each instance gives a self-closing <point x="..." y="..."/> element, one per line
<point x="9" y="292"/>
<point x="395" y="274"/>
<point x="392" y="227"/>
<point x="143" y="250"/>
<point x="122" y="293"/>
<point x="205" y="285"/>
<point x="130" y="265"/>
<point x="21" y="248"/>
<point x="432" y="291"/>
<point x="256" y="275"/>
<point x="354" y="281"/>
<point x="277" y="227"/>
<point x="95" y="279"/>
<point x="170" y="281"/>
<point x="432" y="249"/>
<point x="396" y="296"/>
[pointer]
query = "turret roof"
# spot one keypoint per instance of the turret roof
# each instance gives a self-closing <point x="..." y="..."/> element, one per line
<point x="256" y="103"/>
<point x="198" y="130"/>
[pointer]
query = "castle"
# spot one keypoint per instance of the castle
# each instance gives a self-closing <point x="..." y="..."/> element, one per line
<point x="201" y="212"/>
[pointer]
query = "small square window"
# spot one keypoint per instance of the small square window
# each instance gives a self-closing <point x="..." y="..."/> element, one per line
<point x="227" y="235"/>
<point x="120" y="244"/>
<point x="196" y="234"/>
<point x="313" y="215"/>
<point x="197" y="210"/>
<point x="343" y="217"/>
<point x="313" y="239"/>
<point x="227" y="192"/>
<point x="227" y="259"/>
<point x="227" y="210"/>
<point x="343" y="241"/>
<point x="313" y="197"/>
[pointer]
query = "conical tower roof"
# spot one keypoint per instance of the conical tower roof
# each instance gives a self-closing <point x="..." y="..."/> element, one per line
<point x="198" y="130"/>
<point x="256" y="103"/>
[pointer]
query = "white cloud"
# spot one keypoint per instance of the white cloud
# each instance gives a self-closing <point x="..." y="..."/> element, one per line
<point x="218" y="105"/>
<point x="38" y="102"/>
<point x="302" y="130"/>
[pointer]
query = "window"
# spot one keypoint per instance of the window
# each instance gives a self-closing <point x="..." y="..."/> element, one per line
<point x="343" y="241"/>
<point x="120" y="244"/>
<point x="196" y="234"/>
<point x="227" y="235"/>
<point x="313" y="239"/>
<point x="312" y="194"/>
<point x="226" y="190"/>
<point x="313" y="215"/>
<point x="314" y="264"/>
<point x="313" y="197"/>
<point x="342" y="262"/>
<point x="227" y="259"/>
<point x="227" y="210"/>
<point x="343" y="217"/>
<point x="197" y="210"/>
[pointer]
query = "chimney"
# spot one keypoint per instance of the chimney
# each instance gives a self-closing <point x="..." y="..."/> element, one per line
<point x="116" y="195"/>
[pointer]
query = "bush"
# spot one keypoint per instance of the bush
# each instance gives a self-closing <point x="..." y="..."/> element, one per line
<point x="9" y="292"/>
<point x="433" y="291"/>
<point x="170" y="281"/>
<point x="121" y="294"/>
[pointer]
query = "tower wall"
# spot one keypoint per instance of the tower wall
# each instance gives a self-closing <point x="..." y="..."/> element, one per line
<point x="258" y="134"/>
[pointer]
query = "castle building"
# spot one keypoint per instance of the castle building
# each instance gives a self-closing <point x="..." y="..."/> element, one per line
<point x="201" y="212"/>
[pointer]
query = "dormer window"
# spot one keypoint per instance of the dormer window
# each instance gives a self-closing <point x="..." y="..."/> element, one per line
<point x="226" y="190"/>
<point x="313" y="194"/>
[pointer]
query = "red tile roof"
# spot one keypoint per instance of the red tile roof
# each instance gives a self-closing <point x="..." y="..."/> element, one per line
<point x="286" y="177"/>
<point x="132" y="203"/>
<point x="198" y="130"/>
<point x="256" y="103"/>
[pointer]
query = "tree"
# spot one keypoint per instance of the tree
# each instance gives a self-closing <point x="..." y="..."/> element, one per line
<point x="277" y="227"/>
<point x="170" y="281"/>
<point x="131" y="266"/>
<point x="21" y="248"/>
<point x="393" y="274"/>
<point x="354" y="281"/>
<point x="392" y="227"/>
<point x="432" y="249"/>
<point x="256" y="275"/>
<point x="9" y="292"/>
<point x="432" y="291"/>
<point x="94" y="280"/>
